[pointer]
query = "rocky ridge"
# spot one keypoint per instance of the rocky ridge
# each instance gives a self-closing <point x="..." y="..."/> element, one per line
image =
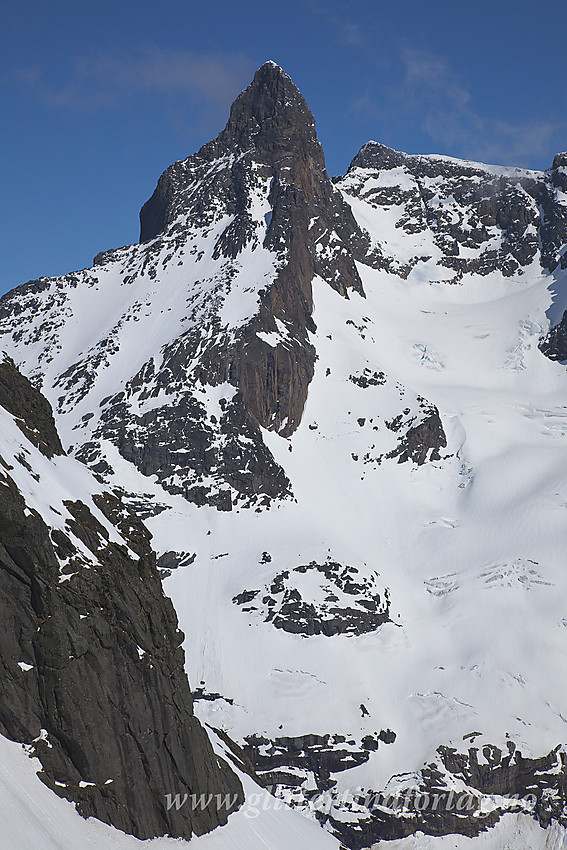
<point x="482" y="219"/>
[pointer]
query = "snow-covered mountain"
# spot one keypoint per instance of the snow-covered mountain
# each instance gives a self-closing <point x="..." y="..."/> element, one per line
<point x="339" y="409"/>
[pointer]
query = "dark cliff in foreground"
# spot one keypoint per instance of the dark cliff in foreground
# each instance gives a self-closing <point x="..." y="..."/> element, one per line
<point x="92" y="671"/>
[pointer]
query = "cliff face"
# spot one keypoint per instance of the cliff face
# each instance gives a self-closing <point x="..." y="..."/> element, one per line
<point x="92" y="674"/>
<point x="31" y="411"/>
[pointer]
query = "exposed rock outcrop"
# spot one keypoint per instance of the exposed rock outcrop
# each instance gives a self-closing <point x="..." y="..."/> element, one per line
<point x="554" y="343"/>
<point x="30" y="409"/>
<point x="343" y="603"/>
<point x="422" y="441"/>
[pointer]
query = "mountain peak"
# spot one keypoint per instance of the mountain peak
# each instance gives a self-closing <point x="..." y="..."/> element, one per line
<point x="270" y="106"/>
<point x="270" y="62"/>
<point x="270" y="123"/>
<point x="271" y="67"/>
<point x="263" y="182"/>
<point x="376" y="155"/>
<point x="269" y="81"/>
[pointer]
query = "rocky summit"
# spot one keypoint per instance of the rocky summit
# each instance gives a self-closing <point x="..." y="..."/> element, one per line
<point x="329" y="415"/>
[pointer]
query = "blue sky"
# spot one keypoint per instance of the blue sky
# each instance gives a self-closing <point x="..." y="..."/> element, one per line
<point x="97" y="99"/>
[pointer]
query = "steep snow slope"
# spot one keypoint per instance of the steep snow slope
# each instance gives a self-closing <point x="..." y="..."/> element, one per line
<point x="470" y="546"/>
<point x="32" y="816"/>
<point x="330" y="405"/>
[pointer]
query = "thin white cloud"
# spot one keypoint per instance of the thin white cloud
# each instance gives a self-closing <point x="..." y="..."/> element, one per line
<point x="426" y="72"/>
<point x="106" y="81"/>
<point x="442" y="105"/>
<point x="349" y="33"/>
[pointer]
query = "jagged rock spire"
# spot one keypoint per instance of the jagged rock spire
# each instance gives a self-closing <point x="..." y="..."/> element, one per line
<point x="271" y="112"/>
<point x="269" y="125"/>
<point x="269" y="141"/>
<point x="269" y="118"/>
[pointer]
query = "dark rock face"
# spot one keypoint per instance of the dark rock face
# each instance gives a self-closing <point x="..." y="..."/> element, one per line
<point x="352" y="605"/>
<point x="554" y="344"/>
<point x="422" y="441"/>
<point x="31" y="410"/>
<point x="553" y="231"/>
<point x="535" y="786"/>
<point x="554" y="236"/>
<point x="298" y="769"/>
<point x="91" y="668"/>
<point x="288" y="762"/>
<point x="509" y="774"/>
<point x="432" y="806"/>
<point x="185" y="449"/>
